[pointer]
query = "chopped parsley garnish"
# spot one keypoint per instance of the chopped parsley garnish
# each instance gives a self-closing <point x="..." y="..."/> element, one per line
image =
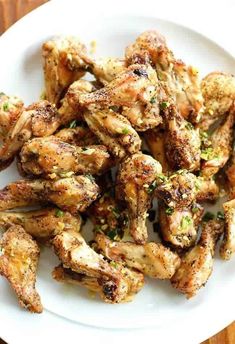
<point x="153" y="100"/>
<point x="164" y="105"/>
<point x="114" y="108"/>
<point x="203" y="135"/>
<point x="116" y="212"/>
<point x="162" y="177"/>
<point x="152" y="187"/>
<point x="220" y="215"/>
<point x="169" y="211"/>
<point x="5" y="106"/>
<point x="112" y="234"/>
<point x="208" y="216"/>
<point x="189" y="126"/>
<point x="98" y="229"/>
<point x="195" y="209"/>
<point x="73" y="124"/>
<point x="186" y="222"/>
<point x="125" y="131"/>
<point x="59" y="213"/>
<point x="207" y="154"/>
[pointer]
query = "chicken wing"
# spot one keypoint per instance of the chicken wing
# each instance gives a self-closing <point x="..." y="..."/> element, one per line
<point x="217" y="154"/>
<point x="135" y="184"/>
<point x="75" y="254"/>
<point x="114" y="131"/>
<point x="39" y="119"/>
<point x="107" y="69"/>
<point x="65" y="60"/>
<point x="78" y="136"/>
<point x="71" y="194"/>
<point x="139" y="93"/>
<point x="42" y="224"/>
<point x="50" y="157"/>
<point x="152" y="259"/>
<point x="19" y="256"/>
<point x="181" y="82"/>
<point x="10" y="109"/>
<point x="230" y="173"/>
<point x="227" y="247"/>
<point x="218" y="90"/>
<point x="182" y="141"/>
<point x="179" y="228"/>
<point x="197" y="264"/>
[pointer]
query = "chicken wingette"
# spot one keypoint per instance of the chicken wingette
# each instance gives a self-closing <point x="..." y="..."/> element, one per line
<point x="197" y="264"/>
<point x="180" y="82"/>
<point x="114" y="131"/>
<point x="50" y="157"/>
<point x="71" y="194"/>
<point x="19" y="255"/>
<point x="134" y="186"/>
<point x="107" y="69"/>
<point x="114" y="284"/>
<point x="152" y="259"/>
<point x="42" y="224"/>
<point x="65" y="60"/>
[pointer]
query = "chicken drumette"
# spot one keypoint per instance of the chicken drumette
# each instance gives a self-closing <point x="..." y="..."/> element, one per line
<point x="135" y="184"/>
<point x="71" y="194"/>
<point x="19" y="256"/>
<point x="78" y="136"/>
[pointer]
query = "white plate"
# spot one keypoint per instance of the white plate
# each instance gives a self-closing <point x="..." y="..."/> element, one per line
<point x="21" y="74"/>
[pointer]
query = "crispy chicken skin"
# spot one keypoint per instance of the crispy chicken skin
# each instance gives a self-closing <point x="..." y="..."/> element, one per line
<point x="197" y="264"/>
<point x="134" y="279"/>
<point x="227" y="247"/>
<point x="207" y="189"/>
<point x="75" y="254"/>
<point x="182" y="141"/>
<point x="217" y="154"/>
<point x="152" y="259"/>
<point x="42" y="224"/>
<point x="50" y="157"/>
<point x="65" y="60"/>
<point x="156" y="144"/>
<point x="10" y="109"/>
<point x="135" y="179"/>
<point x="19" y="255"/>
<point x="79" y="136"/>
<point x="179" y="228"/>
<point x="180" y="82"/>
<point x="107" y="69"/>
<point x="218" y="90"/>
<point x="70" y="194"/>
<point x="38" y="119"/>
<point x="114" y="131"/>
<point x="139" y="93"/>
<point x="230" y="173"/>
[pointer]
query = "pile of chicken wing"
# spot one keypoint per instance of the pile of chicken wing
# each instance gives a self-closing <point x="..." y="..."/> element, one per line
<point x="146" y="127"/>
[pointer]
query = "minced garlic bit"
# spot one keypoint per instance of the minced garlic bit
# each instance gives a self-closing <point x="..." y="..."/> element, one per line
<point x="211" y="112"/>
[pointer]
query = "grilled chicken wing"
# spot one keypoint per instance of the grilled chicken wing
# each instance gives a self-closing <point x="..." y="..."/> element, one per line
<point x="156" y="144"/>
<point x="217" y="154"/>
<point x="79" y="136"/>
<point x="75" y="254"/>
<point x="19" y="256"/>
<point x="180" y="227"/>
<point x="65" y="60"/>
<point x="139" y="93"/>
<point x="10" y="109"/>
<point x="181" y="82"/>
<point x="135" y="184"/>
<point x="197" y="264"/>
<point x="114" y="131"/>
<point x="218" y="90"/>
<point x="50" y="157"/>
<point x="152" y="259"/>
<point x="72" y="194"/>
<point x="134" y="279"/>
<point x="42" y="224"/>
<point x="107" y="69"/>
<point x="39" y="119"/>
<point x="227" y="247"/>
<point x="182" y="141"/>
<point x="207" y="189"/>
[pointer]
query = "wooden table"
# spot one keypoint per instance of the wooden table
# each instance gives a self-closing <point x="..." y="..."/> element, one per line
<point x="10" y="12"/>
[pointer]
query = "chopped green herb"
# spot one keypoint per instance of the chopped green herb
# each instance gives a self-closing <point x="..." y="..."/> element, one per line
<point x="189" y="126"/>
<point x="208" y="216"/>
<point x="59" y="213"/>
<point x="73" y="124"/>
<point x="5" y="106"/>
<point x="207" y="154"/>
<point x="112" y="234"/>
<point x="89" y="176"/>
<point x="153" y="100"/>
<point x="162" y="177"/>
<point x="169" y="211"/>
<point x="186" y="222"/>
<point x="156" y="227"/>
<point x="114" y="108"/>
<point x="152" y="187"/>
<point x="116" y="212"/>
<point x="98" y="229"/>
<point x="125" y="131"/>
<point x="220" y="215"/>
<point x="114" y="264"/>
<point x="195" y="209"/>
<point x="164" y="105"/>
<point x="203" y="134"/>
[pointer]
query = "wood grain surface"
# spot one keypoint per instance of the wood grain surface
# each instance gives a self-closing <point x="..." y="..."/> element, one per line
<point x="10" y="12"/>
